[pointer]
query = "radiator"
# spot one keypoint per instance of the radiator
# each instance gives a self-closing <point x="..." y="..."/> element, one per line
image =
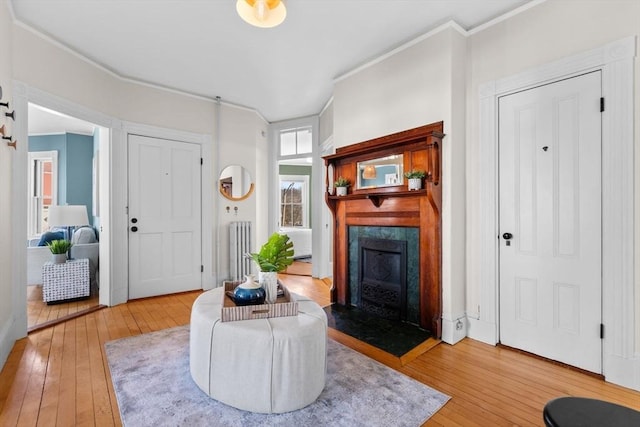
<point x="239" y="246"/>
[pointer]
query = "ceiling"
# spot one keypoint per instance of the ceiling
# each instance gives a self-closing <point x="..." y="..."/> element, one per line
<point x="43" y="121"/>
<point x="202" y="47"/>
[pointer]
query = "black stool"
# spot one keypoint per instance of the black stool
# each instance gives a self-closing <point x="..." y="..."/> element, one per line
<point x="583" y="412"/>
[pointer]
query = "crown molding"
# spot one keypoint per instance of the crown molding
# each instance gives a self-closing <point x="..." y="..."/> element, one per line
<point x="125" y="79"/>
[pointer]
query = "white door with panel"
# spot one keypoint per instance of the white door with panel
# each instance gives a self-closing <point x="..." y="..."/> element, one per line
<point x="164" y="216"/>
<point x="550" y="221"/>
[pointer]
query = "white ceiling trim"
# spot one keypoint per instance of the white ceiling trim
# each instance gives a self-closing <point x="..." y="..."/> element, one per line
<point x="505" y="16"/>
<point x="120" y="77"/>
<point x="244" y="99"/>
<point x="405" y="46"/>
<point x="447" y="25"/>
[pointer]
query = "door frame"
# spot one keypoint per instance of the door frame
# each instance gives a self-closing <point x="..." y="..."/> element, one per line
<point x="325" y="257"/>
<point x="120" y="194"/>
<point x="23" y="94"/>
<point x="539" y="331"/>
<point x="616" y="62"/>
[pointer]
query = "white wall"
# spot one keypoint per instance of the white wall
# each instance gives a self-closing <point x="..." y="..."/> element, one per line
<point x="243" y="141"/>
<point x="415" y="86"/>
<point x="545" y="33"/>
<point x="42" y="65"/>
<point x="438" y="78"/>
<point x="7" y="313"/>
<point x="325" y="123"/>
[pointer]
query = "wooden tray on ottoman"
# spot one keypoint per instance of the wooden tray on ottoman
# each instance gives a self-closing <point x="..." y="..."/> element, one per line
<point x="285" y="305"/>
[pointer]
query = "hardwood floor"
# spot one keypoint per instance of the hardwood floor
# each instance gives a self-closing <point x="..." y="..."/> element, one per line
<point x="39" y="313"/>
<point x="299" y="268"/>
<point x="60" y="377"/>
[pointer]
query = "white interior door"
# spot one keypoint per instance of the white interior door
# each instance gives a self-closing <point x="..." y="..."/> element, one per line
<point x="164" y="217"/>
<point x="550" y="202"/>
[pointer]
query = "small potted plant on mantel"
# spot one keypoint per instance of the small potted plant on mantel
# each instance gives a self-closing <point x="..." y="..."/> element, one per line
<point x="341" y="186"/>
<point x="415" y="177"/>
<point x="59" y="249"/>
<point x="274" y="256"/>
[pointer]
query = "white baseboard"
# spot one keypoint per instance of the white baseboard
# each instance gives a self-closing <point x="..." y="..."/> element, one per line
<point x="624" y="372"/>
<point x="482" y="331"/>
<point x="454" y="330"/>
<point x="7" y="340"/>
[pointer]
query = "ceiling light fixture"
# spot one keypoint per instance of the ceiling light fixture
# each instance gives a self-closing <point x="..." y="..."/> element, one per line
<point x="262" y="13"/>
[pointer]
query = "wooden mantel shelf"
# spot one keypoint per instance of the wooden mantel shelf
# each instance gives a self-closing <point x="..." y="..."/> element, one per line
<point x="378" y="198"/>
<point x="393" y="206"/>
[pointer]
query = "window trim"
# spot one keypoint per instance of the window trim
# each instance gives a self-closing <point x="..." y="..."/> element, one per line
<point x="294" y="130"/>
<point x="305" y="199"/>
<point x="34" y="220"/>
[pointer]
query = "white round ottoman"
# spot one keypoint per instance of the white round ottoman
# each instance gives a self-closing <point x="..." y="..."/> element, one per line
<point x="270" y="365"/>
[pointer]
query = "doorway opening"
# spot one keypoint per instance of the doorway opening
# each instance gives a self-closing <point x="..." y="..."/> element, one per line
<point x="63" y="153"/>
<point x="295" y="202"/>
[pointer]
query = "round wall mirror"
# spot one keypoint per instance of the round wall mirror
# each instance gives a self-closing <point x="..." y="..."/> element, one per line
<point x="235" y="183"/>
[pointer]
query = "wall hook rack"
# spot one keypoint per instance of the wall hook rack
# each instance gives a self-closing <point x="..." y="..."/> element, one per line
<point x="5" y="105"/>
<point x="12" y="115"/>
<point x="13" y="144"/>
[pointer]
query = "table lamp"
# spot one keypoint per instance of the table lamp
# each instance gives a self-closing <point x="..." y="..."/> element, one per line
<point x="69" y="216"/>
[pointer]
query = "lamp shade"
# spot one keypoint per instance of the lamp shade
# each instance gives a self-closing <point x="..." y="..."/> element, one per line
<point x="369" y="172"/>
<point x="262" y="13"/>
<point x="68" y="216"/>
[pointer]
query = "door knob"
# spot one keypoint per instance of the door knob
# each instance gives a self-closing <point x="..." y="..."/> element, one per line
<point x="134" y="228"/>
<point x="507" y="236"/>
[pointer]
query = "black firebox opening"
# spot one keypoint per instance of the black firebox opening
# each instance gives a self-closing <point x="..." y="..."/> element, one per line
<point x="382" y="277"/>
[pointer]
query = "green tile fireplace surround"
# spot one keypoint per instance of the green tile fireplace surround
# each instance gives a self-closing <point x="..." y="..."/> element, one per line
<point x="408" y="234"/>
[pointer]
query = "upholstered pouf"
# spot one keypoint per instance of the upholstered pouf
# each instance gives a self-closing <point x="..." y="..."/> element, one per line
<point x="270" y="365"/>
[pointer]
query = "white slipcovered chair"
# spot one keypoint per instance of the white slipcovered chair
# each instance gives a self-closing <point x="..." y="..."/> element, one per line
<point x="85" y="245"/>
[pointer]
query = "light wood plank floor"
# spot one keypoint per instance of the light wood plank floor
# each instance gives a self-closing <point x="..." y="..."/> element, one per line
<point x="299" y="268"/>
<point x="38" y="312"/>
<point x="60" y="377"/>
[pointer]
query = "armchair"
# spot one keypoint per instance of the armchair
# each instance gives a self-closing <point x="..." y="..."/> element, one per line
<point x="85" y="245"/>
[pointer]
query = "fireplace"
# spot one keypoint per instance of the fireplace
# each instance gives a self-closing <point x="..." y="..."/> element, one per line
<point x="382" y="282"/>
<point x="399" y="244"/>
<point x="390" y="207"/>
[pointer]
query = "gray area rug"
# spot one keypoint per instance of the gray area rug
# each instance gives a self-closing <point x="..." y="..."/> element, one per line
<point x="153" y="386"/>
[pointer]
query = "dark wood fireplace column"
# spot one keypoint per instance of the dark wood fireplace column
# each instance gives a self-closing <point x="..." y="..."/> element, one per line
<point x="392" y="206"/>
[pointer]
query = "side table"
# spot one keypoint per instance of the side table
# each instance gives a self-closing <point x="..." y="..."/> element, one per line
<point x="65" y="281"/>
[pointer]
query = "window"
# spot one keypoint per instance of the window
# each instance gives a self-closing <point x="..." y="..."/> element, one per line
<point x="294" y="200"/>
<point x="295" y="141"/>
<point x="43" y="189"/>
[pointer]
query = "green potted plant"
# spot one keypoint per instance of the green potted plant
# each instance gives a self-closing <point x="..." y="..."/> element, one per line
<point x="414" y="177"/>
<point x="274" y="256"/>
<point x="59" y="249"/>
<point x="341" y="186"/>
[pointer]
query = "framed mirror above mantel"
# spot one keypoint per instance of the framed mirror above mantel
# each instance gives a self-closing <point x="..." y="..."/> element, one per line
<point x="376" y="168"/>
<point x="379" y="197"/>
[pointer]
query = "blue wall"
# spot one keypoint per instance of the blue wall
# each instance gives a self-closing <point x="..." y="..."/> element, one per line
<point x="75" y="166"/>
